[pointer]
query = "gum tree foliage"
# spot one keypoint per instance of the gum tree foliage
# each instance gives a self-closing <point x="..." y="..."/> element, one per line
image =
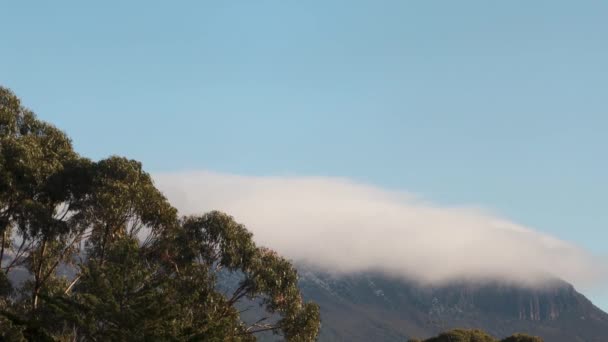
<point x="94" y="252"/>
<point x="462" y="335"/>
<point x="522" y="338"/>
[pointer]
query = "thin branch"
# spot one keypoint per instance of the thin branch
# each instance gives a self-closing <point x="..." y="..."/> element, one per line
<point x="246" y="309"/>
<point x="257" y="323"/>
<point x="3" y="243"/>
<point x="238" y="294"/>
<point x="37" y="283"/>
<point x="66" y="211"/>
<point x="18" y="255"/>
<point x="78" y="237"/>
<point x="266" y="328"/>
<point x="69" y="288"/>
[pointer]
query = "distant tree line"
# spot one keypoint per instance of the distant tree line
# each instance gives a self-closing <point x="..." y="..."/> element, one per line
<point x="461" y="335"/>
<point x="92" y="251"/>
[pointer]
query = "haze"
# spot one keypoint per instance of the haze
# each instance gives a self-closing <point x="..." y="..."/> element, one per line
<point x="341" y="226"/>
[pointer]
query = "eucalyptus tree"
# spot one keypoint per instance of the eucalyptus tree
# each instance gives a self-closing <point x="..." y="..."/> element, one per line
<point x="38" y="196"/>
<point x="102" y="255"/>
<point x="463" y="335"/>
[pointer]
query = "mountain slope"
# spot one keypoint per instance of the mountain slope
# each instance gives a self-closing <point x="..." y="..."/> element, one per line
<point x="372" y="307"/>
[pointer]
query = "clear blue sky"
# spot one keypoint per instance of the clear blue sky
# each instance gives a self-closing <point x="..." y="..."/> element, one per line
<point x="497" y="103"/>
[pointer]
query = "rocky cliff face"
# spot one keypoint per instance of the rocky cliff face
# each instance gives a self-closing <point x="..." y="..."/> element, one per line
<point x="367" y="307"/>
<point x="514" y="302"/>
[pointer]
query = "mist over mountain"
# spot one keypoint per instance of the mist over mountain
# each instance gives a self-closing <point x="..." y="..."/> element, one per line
<point x="386" y="266"/>
<point x="344" y="227"/>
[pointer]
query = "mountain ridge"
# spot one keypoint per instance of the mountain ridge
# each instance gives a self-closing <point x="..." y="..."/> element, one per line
<point x="373" y="306"/>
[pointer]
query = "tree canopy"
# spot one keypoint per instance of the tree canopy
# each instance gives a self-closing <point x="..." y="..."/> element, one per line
<point x="463" y="335"/>
<point x="93" y="251"/>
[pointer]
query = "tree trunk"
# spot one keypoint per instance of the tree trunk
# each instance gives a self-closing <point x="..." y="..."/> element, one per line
<point x="37" y="276"/>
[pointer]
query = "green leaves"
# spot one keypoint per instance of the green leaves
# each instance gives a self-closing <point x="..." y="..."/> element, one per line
<point x="522" y="338"/>
<point x="104" y="256"/>
<point x="217" y="241"/>
<point x="462" y="335"/>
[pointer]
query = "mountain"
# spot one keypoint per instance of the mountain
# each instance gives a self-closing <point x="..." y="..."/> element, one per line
<point x="374" y="307"/>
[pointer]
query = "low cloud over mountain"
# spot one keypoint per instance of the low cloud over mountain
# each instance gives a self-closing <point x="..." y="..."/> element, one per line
<point x="342" y="226"/>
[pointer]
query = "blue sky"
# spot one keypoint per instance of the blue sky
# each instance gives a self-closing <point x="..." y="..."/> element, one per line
<point x="496" y="104"/>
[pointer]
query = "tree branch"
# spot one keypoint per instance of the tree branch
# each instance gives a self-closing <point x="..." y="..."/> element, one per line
<point x="69" y="288"/>
<point x="2" y="247"/>
<point x="238" y="294"/>
<point x="76" y="238"/>
<point x="37" y="283"/>
<point x="18" y="255"/>
<point x="266" y="327"/>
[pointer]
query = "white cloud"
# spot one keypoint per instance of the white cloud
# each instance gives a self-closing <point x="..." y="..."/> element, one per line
<point x="343" y="226"/>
